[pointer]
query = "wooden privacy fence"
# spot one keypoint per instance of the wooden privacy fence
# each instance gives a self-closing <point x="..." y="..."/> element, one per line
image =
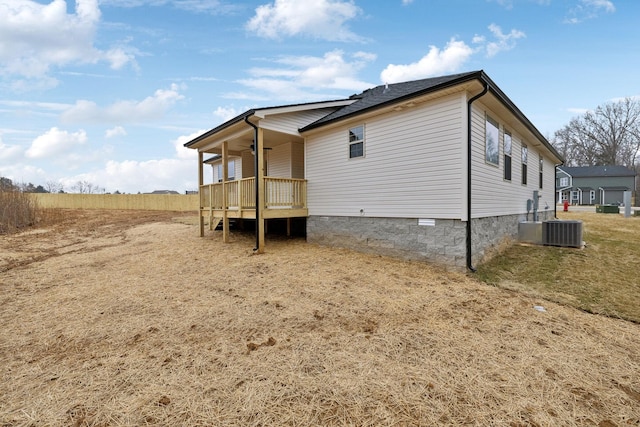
<point x="152" y="202"/>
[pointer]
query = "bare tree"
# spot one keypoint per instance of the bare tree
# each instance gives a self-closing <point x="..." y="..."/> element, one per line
<point x="53" y="187"/>
<point x="86" y="187"/>
<point x="609" y="135"/>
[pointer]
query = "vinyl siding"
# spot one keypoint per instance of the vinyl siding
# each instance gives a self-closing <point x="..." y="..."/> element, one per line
<point x="297" y="160"/>
<point x="247" y="164"/>
<point x="412" y="165"/>
<point x="289" y="123"/>
<point x="286" y="160"/>
<point x="491" y="194"/>
<point x="279" y="161"/>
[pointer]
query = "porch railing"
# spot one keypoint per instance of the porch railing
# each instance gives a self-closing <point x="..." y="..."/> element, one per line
<point x="280" y="193"/>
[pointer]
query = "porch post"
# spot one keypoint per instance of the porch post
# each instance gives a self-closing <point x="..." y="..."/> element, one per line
<point x="225" y="189"/>
<point x="259" y="147"/>
<point x="200" y="182"/>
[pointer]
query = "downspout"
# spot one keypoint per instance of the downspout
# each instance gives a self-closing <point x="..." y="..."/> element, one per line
<point x="555" y="180"/>
<point x="255" y="174"/>
<point x="469" y="154"/>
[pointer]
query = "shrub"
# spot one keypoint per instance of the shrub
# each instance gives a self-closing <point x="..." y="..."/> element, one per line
<point x="17" y="210"/>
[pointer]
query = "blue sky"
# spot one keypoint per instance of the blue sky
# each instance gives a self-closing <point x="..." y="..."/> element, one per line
<point x="108" y="91"/>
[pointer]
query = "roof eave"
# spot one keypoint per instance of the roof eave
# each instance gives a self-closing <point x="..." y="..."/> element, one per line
<point x="445" y="85"/>
<point x="225" y="125"/>
<point x="504" y="99"/>
<point x="482" y="77"/>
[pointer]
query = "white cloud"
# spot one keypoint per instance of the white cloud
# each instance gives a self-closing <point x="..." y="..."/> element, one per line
<point x="115" y="132"/>
<point x="183" y="152"/>
<point x="23" y="173"/>
<point x="589" y="9"/>
<point x="212" y="7"/>
<point x="503" y="42"/>
<point x="607" y="5"/>
<point x="508" y="4"/>
<point x="319" y="19"/>
<point x="150" y="108"/>
<point x="301" y="77"/>
<point x="406" y="2"/>
<point x="36" y="37"/>
<point x="55" y="142"/>
<point x="226" y="113"/>
<point x="9" y="152"/>
<point x="131" y="176"/>
<point x="452" y="57"/>
<point x="435" y="62"/>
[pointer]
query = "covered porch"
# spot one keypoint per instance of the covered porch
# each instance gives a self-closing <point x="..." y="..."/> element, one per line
<point x="256" y="174"/>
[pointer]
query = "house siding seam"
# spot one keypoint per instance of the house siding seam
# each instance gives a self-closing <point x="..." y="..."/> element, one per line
<point x="413" y="181"/>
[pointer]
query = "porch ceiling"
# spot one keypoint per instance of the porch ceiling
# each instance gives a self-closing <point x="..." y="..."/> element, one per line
<point x="242" y="140"/>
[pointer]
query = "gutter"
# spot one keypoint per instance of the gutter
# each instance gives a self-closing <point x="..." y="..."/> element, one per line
<point x="469" y="154"/>
<point x="255" y="173"/>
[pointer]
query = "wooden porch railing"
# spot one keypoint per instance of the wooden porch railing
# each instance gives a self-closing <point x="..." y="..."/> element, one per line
<point x="280" y="193"/>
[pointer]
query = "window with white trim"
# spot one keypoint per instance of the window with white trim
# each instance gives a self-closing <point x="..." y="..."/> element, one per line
<point x="564" y="182"/>
<point x="525" y="153"/>
<point x="507" y="155"/>
<point x="540" y="172"/>
<point x="356" y="142"/>
<point x="231" y="171"/>
<point x="492" y="137"/>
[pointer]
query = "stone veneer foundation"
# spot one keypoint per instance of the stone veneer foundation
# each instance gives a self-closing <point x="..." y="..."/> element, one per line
<point x="441" y="241"/>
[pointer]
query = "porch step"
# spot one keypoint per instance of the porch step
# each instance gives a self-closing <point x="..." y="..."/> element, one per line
<point x="213" y="222"/>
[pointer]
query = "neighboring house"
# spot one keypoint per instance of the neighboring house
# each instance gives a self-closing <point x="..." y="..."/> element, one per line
<point x="593" y="185"/>
<point x="396" y="170"/>
<point x="164" y="192"/>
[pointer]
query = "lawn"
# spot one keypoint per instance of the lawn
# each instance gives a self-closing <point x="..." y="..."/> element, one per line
<point x="113" y="318"/>
<point x="603" y="277"/>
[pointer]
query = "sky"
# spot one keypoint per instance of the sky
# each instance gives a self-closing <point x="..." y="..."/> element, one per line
<point x="107" y="92"/>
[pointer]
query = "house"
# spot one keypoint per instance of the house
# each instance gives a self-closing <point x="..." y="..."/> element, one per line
<point x="440" y="169"/>
<point x="593" y="185"/>
<point x="163" y="192"/>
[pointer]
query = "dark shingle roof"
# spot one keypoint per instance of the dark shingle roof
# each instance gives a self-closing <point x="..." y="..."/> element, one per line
<point x="388" y="94"/>
<point x="597" y="171"/>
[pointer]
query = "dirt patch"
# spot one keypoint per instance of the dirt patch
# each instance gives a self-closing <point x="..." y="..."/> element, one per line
<point x="130" y="318"/>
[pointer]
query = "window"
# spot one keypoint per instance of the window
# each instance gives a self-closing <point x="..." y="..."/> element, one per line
<point x="564" y="182"/>
<point x="231" y="170"/>
<point x="540" y="171"/>
<point x="492" y="134"/>
<point x="525" y="152"/>
<point x="592" y="195"/>
<point x="356" y="142"/>
<point x="574" y="196"/>
<point x="507" y="156"/>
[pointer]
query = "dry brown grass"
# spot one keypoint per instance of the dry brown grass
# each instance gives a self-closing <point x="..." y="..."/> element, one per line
<point x="17" y="210"/>
<point x="601" y="278"/>
<point x="122" y="320"/>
